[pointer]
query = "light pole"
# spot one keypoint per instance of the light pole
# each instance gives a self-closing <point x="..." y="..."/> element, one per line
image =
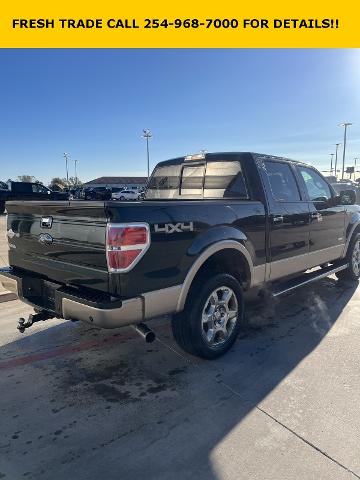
<point x="66" y="156"/>
<point x="147" y="134"/>
<point x="336" y="157"/>
<point x="345" y="125"/>
<point x="76" y="176"/>
<point x="331" y="163"/>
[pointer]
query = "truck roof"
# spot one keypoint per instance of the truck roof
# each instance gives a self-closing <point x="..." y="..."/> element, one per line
<point x="221" y="156"/>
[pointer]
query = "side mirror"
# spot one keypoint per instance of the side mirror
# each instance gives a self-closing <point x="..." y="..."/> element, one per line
<point x="347" y="197"/>
<point x="320" y="199"/>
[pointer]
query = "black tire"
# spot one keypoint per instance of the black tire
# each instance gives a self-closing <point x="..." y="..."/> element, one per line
<point x="352" y="273"/>
<point x="2" y="207"/>
<point x="122" y="198"/>
<point x="187" y="326"/>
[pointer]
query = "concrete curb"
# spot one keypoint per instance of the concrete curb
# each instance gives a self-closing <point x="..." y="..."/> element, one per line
<point x="7" y="296"/>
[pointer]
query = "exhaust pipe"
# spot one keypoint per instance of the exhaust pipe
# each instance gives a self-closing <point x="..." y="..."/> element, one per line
<point x="143" y="330"/>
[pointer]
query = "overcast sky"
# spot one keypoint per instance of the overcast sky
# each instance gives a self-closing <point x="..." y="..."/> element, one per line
<point x="94" y="104"/>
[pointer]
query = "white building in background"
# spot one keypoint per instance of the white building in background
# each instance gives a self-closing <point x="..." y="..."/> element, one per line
<point x="129" y="183"/>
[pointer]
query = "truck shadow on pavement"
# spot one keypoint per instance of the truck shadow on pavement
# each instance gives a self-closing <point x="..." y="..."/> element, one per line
<point x="81" y="403"/>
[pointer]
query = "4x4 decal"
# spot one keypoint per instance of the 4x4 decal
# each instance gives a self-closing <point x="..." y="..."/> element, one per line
<point x="174" y="227"/>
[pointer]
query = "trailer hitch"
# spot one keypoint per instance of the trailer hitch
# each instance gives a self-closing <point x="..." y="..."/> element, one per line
<point x="33" y="318"/>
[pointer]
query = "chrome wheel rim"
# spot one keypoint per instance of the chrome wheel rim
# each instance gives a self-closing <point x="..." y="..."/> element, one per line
<point x="219" y="316"/>
<point x="356" y="258"/>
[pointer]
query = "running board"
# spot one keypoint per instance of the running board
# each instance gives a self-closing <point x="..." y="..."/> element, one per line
<point x="306" y="279"/>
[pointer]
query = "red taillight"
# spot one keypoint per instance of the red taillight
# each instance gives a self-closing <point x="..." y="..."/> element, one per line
<point x="125" y="245"/>
<point x="125" y="236"/>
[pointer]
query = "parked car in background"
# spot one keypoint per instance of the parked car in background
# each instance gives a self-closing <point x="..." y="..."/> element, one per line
<point x="97" y="193"/>
<point x="341" y="186"/>
<point x="331" y="178"/>
<point x="76" y="193"/>
<point x="28" y="191"/>
<point x="142" y="195"/>
<point x="126" y="195"/>
<point x="117" y="189"/>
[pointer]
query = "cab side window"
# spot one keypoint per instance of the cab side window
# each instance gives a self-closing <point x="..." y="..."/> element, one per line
<point x="318" y="190"/>
<point x="37" y="188"/>
<point x="282" y="182"/>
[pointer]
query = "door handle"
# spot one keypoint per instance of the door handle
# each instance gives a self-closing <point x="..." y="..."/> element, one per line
<point x="278" y="219"/>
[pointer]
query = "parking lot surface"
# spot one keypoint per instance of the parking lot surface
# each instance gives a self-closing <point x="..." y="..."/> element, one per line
<point x="78" y="402"/>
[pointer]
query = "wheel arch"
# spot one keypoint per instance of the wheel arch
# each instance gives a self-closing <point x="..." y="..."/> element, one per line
<point x="210" y="257"/>
<point x="354" y="228"/>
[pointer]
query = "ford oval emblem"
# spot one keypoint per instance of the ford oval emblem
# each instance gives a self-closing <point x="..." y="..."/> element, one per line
<point x="46" y="239"/>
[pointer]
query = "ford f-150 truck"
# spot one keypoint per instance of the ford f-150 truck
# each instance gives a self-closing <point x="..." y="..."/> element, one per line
<point x="211" y="227"/>
<point x="28" y="191"/>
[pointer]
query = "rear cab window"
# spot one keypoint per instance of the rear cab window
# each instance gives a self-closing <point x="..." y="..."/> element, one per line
<point x="192" y="180"/>
<point x="210" y="179"/>
<point x="225" y="180"/>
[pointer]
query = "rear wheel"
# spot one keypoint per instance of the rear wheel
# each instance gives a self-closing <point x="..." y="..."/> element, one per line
<point x="353" y="259"/>
<point x="2" y="207"/>
<point x="212" y="317"/>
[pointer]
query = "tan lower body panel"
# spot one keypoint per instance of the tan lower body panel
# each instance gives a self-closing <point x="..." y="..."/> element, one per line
<point x="301" y="263"/>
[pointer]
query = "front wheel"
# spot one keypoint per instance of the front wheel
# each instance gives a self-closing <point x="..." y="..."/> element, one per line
<point x="352" y="273"/>
<point x="212" y="317"/>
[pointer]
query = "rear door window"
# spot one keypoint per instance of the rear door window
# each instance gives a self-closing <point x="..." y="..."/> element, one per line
<point x="282" y="182"/>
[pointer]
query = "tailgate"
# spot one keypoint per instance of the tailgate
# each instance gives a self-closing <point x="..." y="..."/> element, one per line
<point x="61" y="241"/>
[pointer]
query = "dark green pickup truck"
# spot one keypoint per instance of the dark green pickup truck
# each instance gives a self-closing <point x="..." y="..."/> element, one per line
<point x="211" y="227"/>
<point x="27" y="191"/>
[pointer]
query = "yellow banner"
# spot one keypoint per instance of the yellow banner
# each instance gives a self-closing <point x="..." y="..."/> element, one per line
<point x="186" y="24"/>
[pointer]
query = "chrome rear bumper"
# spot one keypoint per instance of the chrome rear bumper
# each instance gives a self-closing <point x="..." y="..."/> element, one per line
<point x="130" y="312"/>
<point x="70" y="305"/>
<point x="9" y="283"/>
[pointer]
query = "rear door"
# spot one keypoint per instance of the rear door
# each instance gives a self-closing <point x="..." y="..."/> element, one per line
<point x="288" y="220"/>
<point x="21" y="191"/>
<point x="327" y="220"/>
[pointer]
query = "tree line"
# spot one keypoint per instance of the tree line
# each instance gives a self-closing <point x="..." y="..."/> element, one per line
<point x="56" y="184"/>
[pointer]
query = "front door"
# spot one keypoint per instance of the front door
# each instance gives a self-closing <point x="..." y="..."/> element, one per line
<point x="327" y="220"/>
<point x="40" y="192"/>
<point x="288" y="220"/>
